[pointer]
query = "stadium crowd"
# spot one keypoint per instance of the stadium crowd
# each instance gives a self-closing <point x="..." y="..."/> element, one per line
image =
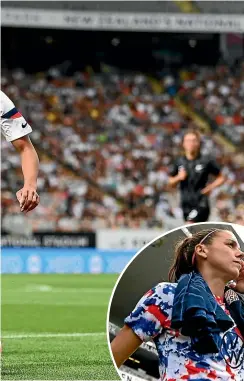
<point x="106" y="143"/>
<point x="219" y="92"/>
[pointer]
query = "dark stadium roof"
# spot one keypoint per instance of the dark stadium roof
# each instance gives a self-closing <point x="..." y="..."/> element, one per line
<point x="214" y="7"/>
<point x="116" y="6"/>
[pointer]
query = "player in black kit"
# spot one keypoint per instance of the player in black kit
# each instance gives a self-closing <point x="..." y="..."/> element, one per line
<point x="192" y="172"/>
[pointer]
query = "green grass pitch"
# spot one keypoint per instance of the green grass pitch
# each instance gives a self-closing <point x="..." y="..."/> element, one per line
<point x="53" y="327"/>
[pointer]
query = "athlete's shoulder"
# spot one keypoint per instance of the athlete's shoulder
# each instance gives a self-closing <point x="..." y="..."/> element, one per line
<point x="163" y="296"/>
<point x="181" y="159"/>
<point x="165" y="288"/>
<point x="13" y="124"/>
<point x="165" y="291"/>
<point x="3" y="95"/>
<point x="4" y="98"/>
<point x="206" y="158"/>
<point x="5" y="104"/>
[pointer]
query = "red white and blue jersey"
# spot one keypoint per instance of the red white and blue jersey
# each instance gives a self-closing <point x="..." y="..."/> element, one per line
<point x="13" y="124"/>
<point x="151" y="320"/>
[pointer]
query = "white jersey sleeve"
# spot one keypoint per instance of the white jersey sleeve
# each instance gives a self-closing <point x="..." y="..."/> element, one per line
<point x="13" y="124"/>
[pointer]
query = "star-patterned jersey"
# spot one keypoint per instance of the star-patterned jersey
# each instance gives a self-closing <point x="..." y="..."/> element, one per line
<point x="13" y="124"/>
<point x="151" y="320"/>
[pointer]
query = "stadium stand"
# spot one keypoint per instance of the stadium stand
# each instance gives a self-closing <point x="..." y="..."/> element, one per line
<point x="219" y="99"/>
<point x="107" y="141"/>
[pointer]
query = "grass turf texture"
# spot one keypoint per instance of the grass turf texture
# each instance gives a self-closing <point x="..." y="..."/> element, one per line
<point x="35" y="305"/>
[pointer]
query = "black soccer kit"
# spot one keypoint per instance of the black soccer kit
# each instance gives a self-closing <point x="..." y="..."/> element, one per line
<point x="195" y="205"/>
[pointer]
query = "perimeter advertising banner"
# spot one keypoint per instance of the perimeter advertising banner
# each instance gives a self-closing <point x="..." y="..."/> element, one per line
<point x="63" y="260"/>
<point x="50" y="239"/>
<point x="126" y="239"/>
<point x="165" y="22"/>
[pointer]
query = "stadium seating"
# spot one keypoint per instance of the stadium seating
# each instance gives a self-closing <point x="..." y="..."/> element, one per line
<point x="219" y="98"/>
<point x="106" y="143"/>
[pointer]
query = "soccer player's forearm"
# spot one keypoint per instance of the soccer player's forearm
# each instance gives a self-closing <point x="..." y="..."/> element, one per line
<point x="29" y="160"/>
<point x="217" y="182"/>
<point x="173" y="181"/>
<point x="30" y="165"/>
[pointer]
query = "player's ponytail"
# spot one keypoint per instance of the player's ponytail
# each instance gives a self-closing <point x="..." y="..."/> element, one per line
<point x="184" y="253"/>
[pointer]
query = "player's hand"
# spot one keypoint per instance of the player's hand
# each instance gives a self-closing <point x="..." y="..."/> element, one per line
<point x="207" y="190"/>
<point x="28" y="198"/>
<point x="240" y="282"/>
<point x="182" y="175"/>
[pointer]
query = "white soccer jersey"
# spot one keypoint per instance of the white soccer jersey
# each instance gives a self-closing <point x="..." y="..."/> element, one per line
<point x="13" y="124"/>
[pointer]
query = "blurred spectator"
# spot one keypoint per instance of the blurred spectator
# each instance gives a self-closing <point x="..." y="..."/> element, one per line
<point x="219" y="92"/>
<point x="106" y="142"/>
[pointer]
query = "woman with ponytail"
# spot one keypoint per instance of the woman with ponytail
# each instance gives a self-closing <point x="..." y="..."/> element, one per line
<point x="197" y="319"/>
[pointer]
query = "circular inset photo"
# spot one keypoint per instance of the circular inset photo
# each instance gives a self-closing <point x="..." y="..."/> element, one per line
<point x="177" y="310"/>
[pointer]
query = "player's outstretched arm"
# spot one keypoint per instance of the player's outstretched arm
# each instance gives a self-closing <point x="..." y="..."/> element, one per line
<point x="124" y="344"/>
<point x="27" y="196"/>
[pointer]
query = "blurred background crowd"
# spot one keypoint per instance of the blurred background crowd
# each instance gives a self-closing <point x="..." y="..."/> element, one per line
<point x="107" y="141"/>
<point x="108" y="133"/>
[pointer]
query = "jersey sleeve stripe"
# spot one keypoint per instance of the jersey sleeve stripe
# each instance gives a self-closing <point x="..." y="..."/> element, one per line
<point x="12" y="114"/>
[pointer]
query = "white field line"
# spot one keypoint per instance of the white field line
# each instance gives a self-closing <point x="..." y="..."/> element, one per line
<point x="52" y="289"/>
<point x="47" y="335"/>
